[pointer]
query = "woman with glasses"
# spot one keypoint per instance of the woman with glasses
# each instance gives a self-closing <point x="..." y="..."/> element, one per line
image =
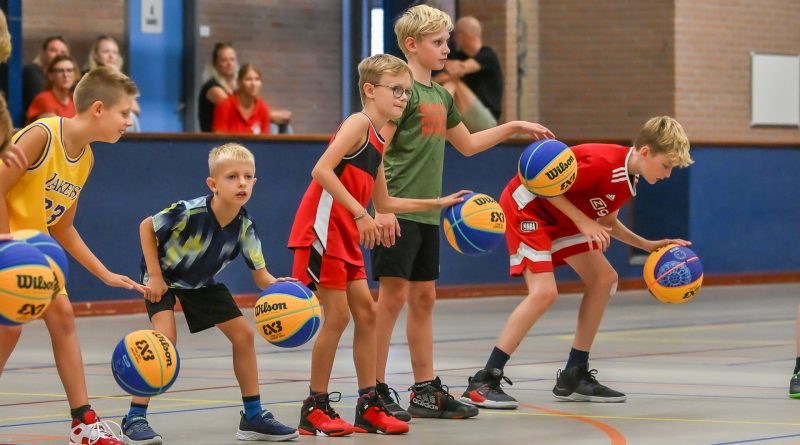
<point x="56" y="99"/>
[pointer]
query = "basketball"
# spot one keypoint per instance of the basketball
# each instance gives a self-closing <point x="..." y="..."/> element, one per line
<point x="51" y="250"/>
<point x="474" y="226"/>
<point x="27" y="283"/>
<point x="548" y="168"/>
<point x="287" y="314"/>
<point x="673" y="274"/>
<point x="145" y="363"/>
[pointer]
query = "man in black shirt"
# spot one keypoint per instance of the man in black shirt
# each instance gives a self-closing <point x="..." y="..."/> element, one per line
<point x="474" y="77"/>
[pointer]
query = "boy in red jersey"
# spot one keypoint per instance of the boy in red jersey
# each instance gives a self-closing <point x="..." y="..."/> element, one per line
<point x="330" y="223"/>
<point x="576" y="228"/>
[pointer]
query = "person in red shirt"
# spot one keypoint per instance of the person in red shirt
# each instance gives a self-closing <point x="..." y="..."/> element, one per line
<point x="575" y="229"/>
<point x="56" y="99"/>
<point x="244" y="112"/>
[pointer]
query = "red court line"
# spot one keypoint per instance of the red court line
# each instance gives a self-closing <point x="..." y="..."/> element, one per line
<point x="614" y="436"/>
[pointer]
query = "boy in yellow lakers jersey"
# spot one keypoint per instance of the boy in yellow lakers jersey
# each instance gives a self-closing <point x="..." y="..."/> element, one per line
<point x="43" y="197"/>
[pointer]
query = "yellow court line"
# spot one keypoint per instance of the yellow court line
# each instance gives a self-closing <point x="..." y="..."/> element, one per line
<point x="647" y="419"/>
<point x="699" y="328"/>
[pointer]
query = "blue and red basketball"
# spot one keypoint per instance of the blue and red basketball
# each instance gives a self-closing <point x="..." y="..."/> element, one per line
<point x="27" y="283"/>
<point x="287" y="314"/>
<point x="145" y="363"/>
<point x="51" y="250"/>
<point x="673" y="274"/>
<point x="548" y="168"/>
<point x="475" y="225"/>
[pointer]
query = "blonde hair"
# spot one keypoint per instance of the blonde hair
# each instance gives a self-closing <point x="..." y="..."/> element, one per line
<point x="420" y="21"/>
<point x="372" y="68"/>
<point x="229" y="152"/>
<point x="103" y="84"/>
<point x="5" y="38"/>
<point x="94" y="53"/>
<point x="665" y="135"/>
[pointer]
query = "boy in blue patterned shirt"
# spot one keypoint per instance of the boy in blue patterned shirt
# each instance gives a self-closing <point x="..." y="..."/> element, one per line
<point x="184" y="247"/>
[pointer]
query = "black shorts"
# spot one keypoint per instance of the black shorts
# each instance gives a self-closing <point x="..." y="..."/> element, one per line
<point x="414" y="257"/>
<point x="204" y="308"/>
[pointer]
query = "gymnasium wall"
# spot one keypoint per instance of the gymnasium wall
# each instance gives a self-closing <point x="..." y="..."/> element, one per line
<point x="741" y="219"/>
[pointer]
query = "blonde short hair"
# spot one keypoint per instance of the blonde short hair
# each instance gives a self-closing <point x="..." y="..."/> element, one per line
<point x="420" y="21"/>
<point x="372" y="68"/>
<point x="229" y="152"/>
<point x="665" y="135"/>
<point x="103" y="84"/>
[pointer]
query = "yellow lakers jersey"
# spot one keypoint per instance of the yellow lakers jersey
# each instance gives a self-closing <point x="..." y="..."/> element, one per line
<point x="52" y="183"/>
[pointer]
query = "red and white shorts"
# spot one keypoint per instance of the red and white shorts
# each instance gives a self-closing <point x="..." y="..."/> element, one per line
<point x="534" y="244"/>
<point x="313" y="267"/>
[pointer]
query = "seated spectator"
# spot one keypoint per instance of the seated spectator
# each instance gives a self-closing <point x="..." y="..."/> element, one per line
<point x="10" y="155"/>
<point x="105" y="52"/>
<point x="474" y="77"/>
<point x="56" y="99"/>
<point x="220" y="86"/>
<point x="244" y="112"/>
<point x="34" y="76"/>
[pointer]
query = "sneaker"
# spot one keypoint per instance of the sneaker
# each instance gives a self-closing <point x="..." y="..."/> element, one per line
<point x="264" y="427"/>
<point x="794" y="386"/>
<point x="136" y="431"/>
<point x="394" y="408"/>
<point x="94" y="432"/>
<point x="317" y="417"/>
<point x="372" y="417"/>
<point x="484" y="390"/>
<point x="434" y="401"/>
<point x="578" y="384"/>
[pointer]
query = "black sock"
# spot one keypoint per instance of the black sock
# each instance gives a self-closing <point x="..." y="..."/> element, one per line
<point x="420" y="385"/>
<point x="77" y="413"/>
<point x="497" y="359"/>
<point x="797" y="365"/>
<point x="577" y="357"/>
<point x="362" y="391"/>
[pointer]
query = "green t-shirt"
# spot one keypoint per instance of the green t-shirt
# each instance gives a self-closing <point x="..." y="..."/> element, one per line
<point x="415" y="158"/>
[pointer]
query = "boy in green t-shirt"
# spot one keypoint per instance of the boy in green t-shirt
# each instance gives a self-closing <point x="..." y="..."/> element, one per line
<point x="413" y="163"/>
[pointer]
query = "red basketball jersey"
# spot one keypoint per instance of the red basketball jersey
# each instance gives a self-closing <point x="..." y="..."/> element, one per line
<point x="602" y="186"/>
<point x="321" y="218"/>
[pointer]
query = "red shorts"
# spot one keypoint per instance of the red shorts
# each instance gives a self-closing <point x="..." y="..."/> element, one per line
<point x="535" y="244"/>
<point x="314" y="269"/>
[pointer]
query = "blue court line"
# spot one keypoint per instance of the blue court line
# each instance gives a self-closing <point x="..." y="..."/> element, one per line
<point x="762" y="439"/>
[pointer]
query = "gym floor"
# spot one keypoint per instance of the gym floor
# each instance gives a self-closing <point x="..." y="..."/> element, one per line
<point x="712" y="371"/>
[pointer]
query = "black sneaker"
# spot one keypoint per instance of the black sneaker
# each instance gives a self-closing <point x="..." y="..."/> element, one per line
<point x="578" y="384"/>
<point x="484" y="390"/>
<point x="434" y="401"/>
<point x="394" y="408"/>
<point x="794" y="386"/>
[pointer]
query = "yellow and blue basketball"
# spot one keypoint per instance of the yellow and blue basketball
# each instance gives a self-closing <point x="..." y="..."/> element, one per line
<point x="51" y="250"/>
<point x="548" y="168"/>
<point x="287" y="314"/>
<point x="474" y="226"/>
<point x="145" y="363"/>
<point x="673" y="274"/>
<point x="27" y="283"/>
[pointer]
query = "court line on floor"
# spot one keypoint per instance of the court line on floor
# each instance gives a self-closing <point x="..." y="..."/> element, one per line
<point x="761" y="439"/>
<point x="613" y="434"/>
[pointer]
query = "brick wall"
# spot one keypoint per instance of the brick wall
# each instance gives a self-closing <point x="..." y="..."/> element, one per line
<point x="297" y="46"/>
<point x="85" y="21"/>
<point x="605" y="66"/>
<point x="713" y="43"/>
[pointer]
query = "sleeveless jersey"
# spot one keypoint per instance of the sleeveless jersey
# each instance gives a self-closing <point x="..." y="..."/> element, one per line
<point x="320" y="219"/>
<point x="52" y="184"/>
<point x="602" y="186"/>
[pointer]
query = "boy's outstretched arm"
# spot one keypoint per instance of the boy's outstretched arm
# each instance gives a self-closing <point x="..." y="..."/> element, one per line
<point x="590" y="228"/>
<point x="621" y="232"/>
<point x="469" y="144"/>
<point x="66" y="234"/>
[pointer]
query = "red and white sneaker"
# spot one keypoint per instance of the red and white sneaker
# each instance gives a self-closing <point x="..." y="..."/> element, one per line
<point x="94" y="432"/>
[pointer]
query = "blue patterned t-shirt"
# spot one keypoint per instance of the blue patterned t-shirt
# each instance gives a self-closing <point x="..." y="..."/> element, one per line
<point x="193" y="248"/>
